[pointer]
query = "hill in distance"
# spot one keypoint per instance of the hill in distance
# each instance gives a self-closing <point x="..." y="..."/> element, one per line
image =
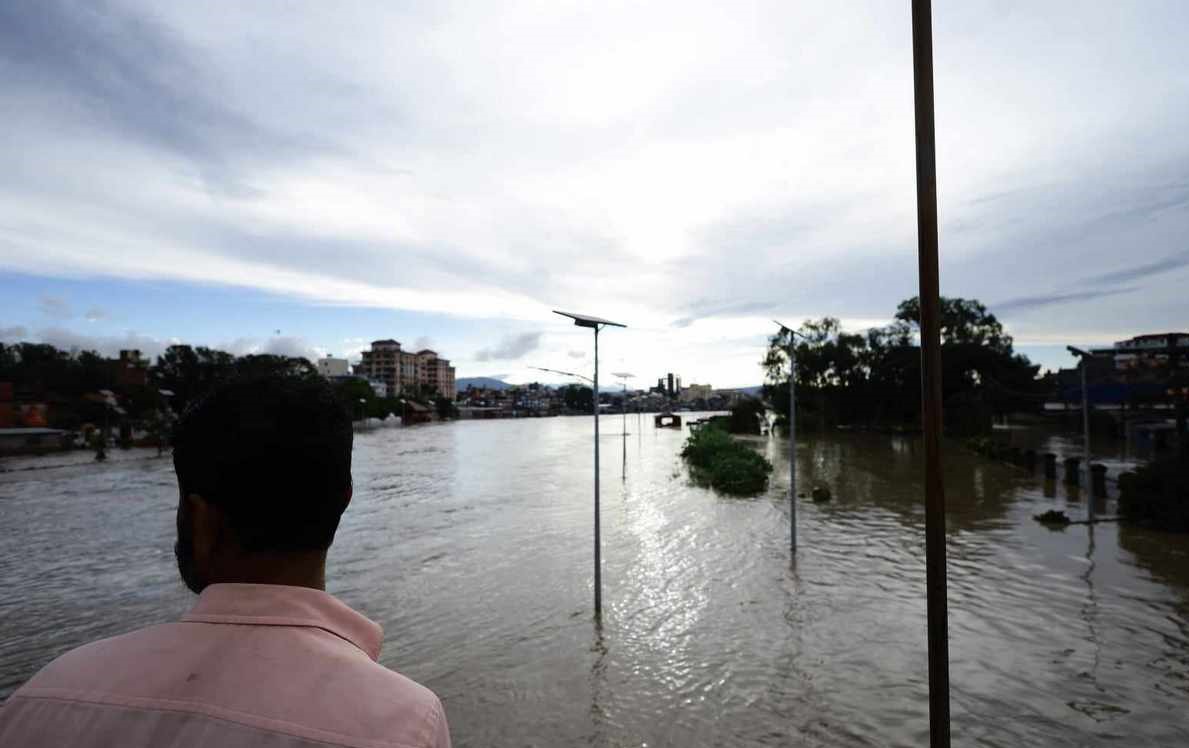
<point x="490" y="383"/>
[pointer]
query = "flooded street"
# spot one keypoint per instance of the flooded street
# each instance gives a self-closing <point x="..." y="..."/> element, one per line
<point x="470" y="542"/>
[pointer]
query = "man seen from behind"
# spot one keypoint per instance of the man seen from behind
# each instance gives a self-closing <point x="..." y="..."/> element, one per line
<point x="265" y="657"/>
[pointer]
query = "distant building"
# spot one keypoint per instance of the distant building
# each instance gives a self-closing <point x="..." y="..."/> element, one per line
<point x="333" y="367"/>
<point x="696" y="392"/>
<point x="382" y="363"/>
<point x="401" y="371"/>
<point x="435" y="373"/>
<point x="131" y="369"/>
<point x="671" y="389"/>
<point x="1155" y="354"/>
<point x="1143" y="369"/>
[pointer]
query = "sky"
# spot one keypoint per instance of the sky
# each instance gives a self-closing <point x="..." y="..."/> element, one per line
<point x="304" y="178"/>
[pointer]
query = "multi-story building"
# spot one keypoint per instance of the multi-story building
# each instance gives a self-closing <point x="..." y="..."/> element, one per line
<point x="402" y="371"/>
<point x="382" y="363"/>
<point x="333" y="367"/>
<point x="435" y="372"/>
<point x="1155" y="355"/>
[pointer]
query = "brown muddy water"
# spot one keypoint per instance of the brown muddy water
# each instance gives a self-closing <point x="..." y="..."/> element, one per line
<point x="470" y="543"/>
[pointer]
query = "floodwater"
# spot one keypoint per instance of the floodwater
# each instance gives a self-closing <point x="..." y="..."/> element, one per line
<point x="471" y="543"/>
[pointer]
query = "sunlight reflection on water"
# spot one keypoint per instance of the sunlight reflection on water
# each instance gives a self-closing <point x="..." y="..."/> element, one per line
<point x="470" y="543"/>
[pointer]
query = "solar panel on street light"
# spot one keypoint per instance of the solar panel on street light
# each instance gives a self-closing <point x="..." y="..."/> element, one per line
<point x="585" y="320"/>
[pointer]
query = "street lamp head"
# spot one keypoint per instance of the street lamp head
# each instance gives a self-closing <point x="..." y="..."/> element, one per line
<point x="1079" y="352"/>
<point x="783" y="327"/>
<point x="585" y="320"/>
<point x="564" y="373"/>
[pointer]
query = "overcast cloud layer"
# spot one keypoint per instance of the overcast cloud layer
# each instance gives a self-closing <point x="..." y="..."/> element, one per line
<point x="691" y="169"/>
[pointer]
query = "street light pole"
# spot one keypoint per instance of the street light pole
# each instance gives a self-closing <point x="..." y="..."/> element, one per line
<point x="623" y="376"/>
<point x="624" y="403"/>
<point x="792" y="351"/>
<point x="598" y="545"/>
<point x="1084" y="360"/>
<point x="931" y="393"/>
<point x="596" y="324"/>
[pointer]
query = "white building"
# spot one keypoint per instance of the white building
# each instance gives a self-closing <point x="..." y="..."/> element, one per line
<point x="333" y="367"/>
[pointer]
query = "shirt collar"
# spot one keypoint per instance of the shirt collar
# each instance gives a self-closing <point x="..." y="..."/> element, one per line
<point x="283" y="605"/>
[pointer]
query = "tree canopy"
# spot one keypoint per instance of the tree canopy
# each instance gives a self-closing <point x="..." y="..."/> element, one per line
<point x="873" y="378"/>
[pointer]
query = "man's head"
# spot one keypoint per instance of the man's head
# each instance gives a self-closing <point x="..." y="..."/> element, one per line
<point x="264" y="474"/>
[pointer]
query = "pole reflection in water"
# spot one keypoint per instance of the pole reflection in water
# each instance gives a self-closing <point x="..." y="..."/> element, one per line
<point x="468" y="542"/>
<point x="598" y="678"/>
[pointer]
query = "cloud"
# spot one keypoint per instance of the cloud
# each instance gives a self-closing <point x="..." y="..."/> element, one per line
<point x="705" y="309"/>
<point x="576" y="354"/>
<point x="1168" y="264"/>
<point x="94" y="314"/>
<point x="131" y="76"/>
<point x="1036" y="302"/>
<point x="55" y="307"/>
<point x="511" y="347"/>
<point x="422" y="343"/>
<point x="277" y="345"/>
<point x="107" y="345"/>
<point x="689" y="169"/>
<point x="14" y="334"/>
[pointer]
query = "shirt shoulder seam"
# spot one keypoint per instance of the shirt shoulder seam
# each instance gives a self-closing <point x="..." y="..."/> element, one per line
<point x="225" y="714"/>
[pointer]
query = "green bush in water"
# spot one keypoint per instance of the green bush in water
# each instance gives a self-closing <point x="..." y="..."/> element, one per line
<point x="725" y="464"/>
<point x="1157" y="494"/>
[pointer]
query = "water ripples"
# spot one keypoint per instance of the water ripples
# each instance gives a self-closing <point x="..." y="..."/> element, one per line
<point x="470" y="542"/>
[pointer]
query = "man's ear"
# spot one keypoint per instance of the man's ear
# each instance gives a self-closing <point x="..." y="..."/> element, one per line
<point x="209" y="525"/>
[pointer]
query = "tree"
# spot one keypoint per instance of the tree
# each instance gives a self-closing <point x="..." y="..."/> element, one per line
<point x="445" y="408"/>
<point x="875" y="377"/>
<point x="578" y="397"/>
<point x="963" y="321"/>
<point x="828" y="360"/>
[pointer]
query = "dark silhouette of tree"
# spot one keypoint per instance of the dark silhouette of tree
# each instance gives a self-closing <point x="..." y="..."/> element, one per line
<point x="874" y="378"/>
<point x="578" y="398"/>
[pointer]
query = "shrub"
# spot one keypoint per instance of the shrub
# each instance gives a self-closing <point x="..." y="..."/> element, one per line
<point x="746" y="416"/>
<point x="1157" y="494"/>
<point x="725" y="464"/>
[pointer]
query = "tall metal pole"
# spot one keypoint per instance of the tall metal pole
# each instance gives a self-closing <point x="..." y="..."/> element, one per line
<point x="1086" y="439"/>
<point x="598" y="560"/>
<point x="930" y="300"/>
<point x="624" y="403"/>
<point x="792" y="443"/>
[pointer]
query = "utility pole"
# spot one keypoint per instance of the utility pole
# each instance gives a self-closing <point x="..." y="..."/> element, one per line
<point x="1083" y="362"/>
<point x="931" y="403"/>
<point x="624" y="377"/>
<point x="792" y="351"/>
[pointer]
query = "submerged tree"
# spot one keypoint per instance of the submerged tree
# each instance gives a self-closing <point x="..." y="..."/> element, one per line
<point x="874" y="378"/>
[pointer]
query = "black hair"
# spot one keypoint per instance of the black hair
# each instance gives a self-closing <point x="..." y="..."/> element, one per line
<point x="274" y="453"/>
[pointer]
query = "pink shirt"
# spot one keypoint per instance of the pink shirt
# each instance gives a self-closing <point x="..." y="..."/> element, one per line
<point x="250" y="665"/>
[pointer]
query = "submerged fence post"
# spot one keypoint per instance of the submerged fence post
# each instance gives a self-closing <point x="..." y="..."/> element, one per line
<point x="930" y="303"/>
